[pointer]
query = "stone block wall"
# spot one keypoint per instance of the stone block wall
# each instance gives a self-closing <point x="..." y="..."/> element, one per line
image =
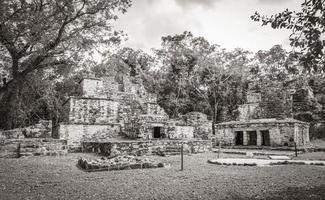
<point x="152" y="118"/>
<point x="179" y="132"/>
<point x="43" y="129"/>
<point x="154" y="109"/>
<point x="146" y="130"/>
<point x="226" y="136"/>
<point x="195" y="118"/>
<point x="248" y="111"/>
<point x="108" y="87"/>
<point x="92" y="111"/>
<point x="76" y="133"/>
<point x="282" y="133"/>
<point x="92" y="88"/>
<point x="203" y="131"/>
<point x="153" y="147"/>
<point x="276" y="135"/>
<point x="302" y="136"/>
<point x="284" y="136"/>
<point x="13" y="148"/>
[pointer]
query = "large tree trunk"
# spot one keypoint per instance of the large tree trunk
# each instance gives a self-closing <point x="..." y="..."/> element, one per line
<point x="214" y="117"/>
<point x="15" y="68"/>
<point x="9" y="105"/>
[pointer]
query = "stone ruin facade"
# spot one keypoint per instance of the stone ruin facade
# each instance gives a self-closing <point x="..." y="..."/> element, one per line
<point x="34" y="140"/>
<point x="111" y="109"/>
<point x="263" y="124"/>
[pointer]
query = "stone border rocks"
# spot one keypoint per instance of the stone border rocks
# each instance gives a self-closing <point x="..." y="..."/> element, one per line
<point x="263" y="162"/>
<point x="118" y="163"/>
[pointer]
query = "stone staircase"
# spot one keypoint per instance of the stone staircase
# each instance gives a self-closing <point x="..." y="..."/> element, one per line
<point x="280" y="148"/>
<point x="175" y="150"/>
<point x="15" y="148"/>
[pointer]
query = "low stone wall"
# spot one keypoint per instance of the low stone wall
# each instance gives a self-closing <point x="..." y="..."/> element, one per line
<point x="14" y="148"/>
<point x="76" y="133"/>
<point x="43" y="129"/>
<point x="147" y="147"/>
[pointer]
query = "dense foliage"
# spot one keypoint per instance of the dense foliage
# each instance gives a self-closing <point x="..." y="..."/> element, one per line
<point x="45" y="37"/>
<point x="47" y="46"/>
<point x="308" y="29"/>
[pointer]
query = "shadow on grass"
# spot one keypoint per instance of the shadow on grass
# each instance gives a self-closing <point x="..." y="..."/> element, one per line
<point x="291" y="193"/>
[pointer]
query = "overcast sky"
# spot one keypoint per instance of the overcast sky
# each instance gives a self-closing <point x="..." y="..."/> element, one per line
<point x="223" y="22"/>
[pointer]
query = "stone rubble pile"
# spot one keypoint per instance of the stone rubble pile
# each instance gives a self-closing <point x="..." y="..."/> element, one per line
<point x="118" y="163"/>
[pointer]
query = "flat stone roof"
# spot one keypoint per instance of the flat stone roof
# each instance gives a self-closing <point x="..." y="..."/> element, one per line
<point x="263" y="121"/>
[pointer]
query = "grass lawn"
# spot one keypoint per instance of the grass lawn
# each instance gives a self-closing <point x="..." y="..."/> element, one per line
<point x="59" y="178"/>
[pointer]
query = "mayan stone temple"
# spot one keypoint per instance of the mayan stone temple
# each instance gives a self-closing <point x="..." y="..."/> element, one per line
<point x="117" y="114"/>
<point x="255" y="127"/>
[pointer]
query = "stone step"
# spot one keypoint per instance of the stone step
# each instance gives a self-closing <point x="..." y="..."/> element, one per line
<point x="175" y="153"/>
<point x="169" y="147"/>
<point x="299" y="148"/>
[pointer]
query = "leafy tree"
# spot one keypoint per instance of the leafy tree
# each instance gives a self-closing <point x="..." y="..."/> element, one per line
<point x="199" y="76"/>
<point x="179" y="56"/>
<point x="125" y="62"/>
<point x="136" y="60"/>
<point x="308" y="29"/>
<point x="36" y="99"/>
<point x="39" y="38"/>
<point x="41" y="33"/>
<point x="219" y="81"/>
<point x="275" y="64"/>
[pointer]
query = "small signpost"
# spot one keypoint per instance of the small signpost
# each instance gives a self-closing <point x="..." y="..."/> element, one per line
<point x="219" y="149"/>
<point x="296" y="149"/>
<point x="182" y="158"/>
<point x="18" y="151"/>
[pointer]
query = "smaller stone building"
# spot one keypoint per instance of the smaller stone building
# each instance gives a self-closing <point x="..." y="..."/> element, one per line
<point x="250" y="129"/>
<point x="264" y="132"/>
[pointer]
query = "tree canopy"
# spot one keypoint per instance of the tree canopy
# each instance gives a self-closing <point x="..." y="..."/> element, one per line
<point x="39" y="41"/>
<point x="42" y="33"/>
<point x="308" y="32"/>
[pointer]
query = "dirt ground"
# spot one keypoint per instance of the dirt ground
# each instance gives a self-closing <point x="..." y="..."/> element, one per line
<point x="59" y="178"/>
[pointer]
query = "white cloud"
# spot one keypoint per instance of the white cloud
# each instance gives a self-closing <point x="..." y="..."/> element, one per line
<point x="225" y="22"/>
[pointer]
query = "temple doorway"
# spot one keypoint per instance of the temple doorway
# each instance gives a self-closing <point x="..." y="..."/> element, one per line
<point x="156" y="132"/>
<point x="252" y="137"/>
<point x="265" y="138"/>
<point x="239" y="138"/>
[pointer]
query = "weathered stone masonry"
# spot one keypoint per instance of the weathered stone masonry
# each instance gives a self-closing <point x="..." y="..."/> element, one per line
<point x="253" y="128"/>
<point x="147" y="147"/>
<point x="34" y="140"/>
<point x="110" y="110"/>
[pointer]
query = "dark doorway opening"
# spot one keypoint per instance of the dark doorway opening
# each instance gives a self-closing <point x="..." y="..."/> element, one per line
<point x="265" y="138"/>
<point x="239" y="137"/>
<point x="156" y="132"/>
<point x="252" y="137"/>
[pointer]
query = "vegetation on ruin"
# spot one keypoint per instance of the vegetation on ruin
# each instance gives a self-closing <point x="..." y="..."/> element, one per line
<point x="47" y="46"/>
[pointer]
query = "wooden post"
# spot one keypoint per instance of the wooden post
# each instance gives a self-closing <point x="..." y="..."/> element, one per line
<point x="219" y="149"/>
<point x="18" y="151"/>
<point x="296" y="149"/>
<point x="182" y="158"/>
